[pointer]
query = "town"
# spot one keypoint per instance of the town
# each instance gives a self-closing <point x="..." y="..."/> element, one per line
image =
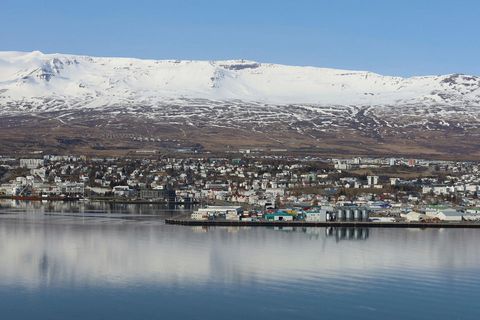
<point x="247" y="186"/>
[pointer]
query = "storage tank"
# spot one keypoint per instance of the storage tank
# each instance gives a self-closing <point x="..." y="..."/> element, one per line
<point x="341" y="214"/>
<point x="365" y="215"/>
<point x="349" y="215"/>
<point x="357" y="214"/>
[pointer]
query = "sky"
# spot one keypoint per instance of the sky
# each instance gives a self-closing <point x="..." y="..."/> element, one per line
<point x="391" y="37"/>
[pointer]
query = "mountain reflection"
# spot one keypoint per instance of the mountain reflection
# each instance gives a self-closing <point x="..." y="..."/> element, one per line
<point x="58" y="250"/>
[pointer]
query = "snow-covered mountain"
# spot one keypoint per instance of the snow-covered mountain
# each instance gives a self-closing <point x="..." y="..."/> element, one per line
<point x="66" y="102"/>
<point x="48" y="81"/>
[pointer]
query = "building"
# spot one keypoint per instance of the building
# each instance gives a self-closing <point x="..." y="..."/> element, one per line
<point x="394" y="181"/>
<point x="123" y="191"/>
<point x="444" y="214"/>
<point x="472" y="214"/>
<point x="232" y="216"/>
<point x="316" y="216"/>
<point x="414" y="216"/>
<point x="278" y="216"/>
<point x="216" y="211"/>
<point x="196" y="215"/>
<point x="372" y="180"/>
<point x="342" y="165"/>
<point x="165" y="194"/>
<point x="9" y="189"/>
<point x="72" y="189"/>
<point x="32" y="163"/>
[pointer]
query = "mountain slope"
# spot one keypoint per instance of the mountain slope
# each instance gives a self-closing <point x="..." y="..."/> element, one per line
<point x="86" y="104"/>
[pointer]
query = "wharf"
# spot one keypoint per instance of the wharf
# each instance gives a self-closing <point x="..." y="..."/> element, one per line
<point x="348" y="224"/>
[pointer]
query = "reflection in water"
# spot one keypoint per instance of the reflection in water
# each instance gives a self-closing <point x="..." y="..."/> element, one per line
<point x="87" y="208"/>
<point x="306" y="267"/>
<point x="339" y="233"/>
<point x="347" y="233"/>
<point x="119" y="252"/>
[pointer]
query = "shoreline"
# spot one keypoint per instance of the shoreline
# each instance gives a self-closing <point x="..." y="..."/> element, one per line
<point x="96" y="199"/>
<point x="349" y="224"/>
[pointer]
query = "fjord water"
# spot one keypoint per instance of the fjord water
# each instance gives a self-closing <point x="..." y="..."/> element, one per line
<point x="85" y="261"/>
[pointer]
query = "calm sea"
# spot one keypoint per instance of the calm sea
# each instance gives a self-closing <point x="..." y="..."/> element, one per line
<point x="100" y="261"/>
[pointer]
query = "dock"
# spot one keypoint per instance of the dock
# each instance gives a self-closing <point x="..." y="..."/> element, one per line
<point x="348" y="224"/>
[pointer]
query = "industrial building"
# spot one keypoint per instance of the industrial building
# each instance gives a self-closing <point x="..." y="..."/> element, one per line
<point x="352" y="213"/>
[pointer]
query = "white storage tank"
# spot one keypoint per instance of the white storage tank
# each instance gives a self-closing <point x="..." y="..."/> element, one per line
<point x="365" y="215"/>
<point x="348" y="214"/>
<point x="357" y="214"/>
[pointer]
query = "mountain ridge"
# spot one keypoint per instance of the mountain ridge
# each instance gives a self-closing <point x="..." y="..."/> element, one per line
<point x="33" y="77"/>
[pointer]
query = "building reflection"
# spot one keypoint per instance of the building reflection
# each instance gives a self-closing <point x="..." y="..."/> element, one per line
<point x="87" y="207"/>
<point x="41" y="250"/>
<point x="347" y="233"/>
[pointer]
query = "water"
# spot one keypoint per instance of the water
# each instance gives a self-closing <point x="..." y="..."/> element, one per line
<point x="84" y="261"/>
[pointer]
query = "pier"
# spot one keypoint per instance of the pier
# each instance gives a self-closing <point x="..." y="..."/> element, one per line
<point x="357" y="224"/>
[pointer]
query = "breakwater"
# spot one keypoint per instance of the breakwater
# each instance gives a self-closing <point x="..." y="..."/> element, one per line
<point x="418" y="225"/>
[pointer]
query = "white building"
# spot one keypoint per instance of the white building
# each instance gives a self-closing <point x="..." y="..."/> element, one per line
<point x="199" y="215"/>
<point x="275" y="191"/>
<point x="472" y="214"/>
<point x="215" y="211"/>
<point x="394" y="181"/>
<point x="342" y="165"/>
<point x="445" y="214"/>
<point x="232" y="216"/>
<point x="122" y="191"/>
<point x="414" y="216"/>
<point x="31" y="163"/>
<point x="372" y="180"/>
<point x="316" y="216"/>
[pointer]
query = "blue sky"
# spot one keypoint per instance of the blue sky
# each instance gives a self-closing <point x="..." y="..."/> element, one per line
<point x="401" y="37"/>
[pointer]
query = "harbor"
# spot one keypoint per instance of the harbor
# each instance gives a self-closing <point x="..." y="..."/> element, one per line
<point x="352" y="224"/>
<point x="323" y="216"/>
